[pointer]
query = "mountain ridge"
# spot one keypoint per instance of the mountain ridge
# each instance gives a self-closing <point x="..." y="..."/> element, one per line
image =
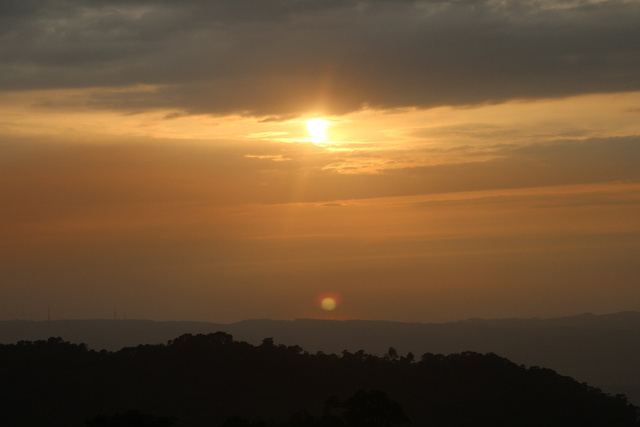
<point x="600" y="349"/>
<point x="213" y="380"/>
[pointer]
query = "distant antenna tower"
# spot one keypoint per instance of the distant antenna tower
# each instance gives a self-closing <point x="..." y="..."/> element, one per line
<point x="48" y="314"/>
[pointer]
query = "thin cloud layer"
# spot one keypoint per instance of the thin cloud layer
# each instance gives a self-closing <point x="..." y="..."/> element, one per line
<point x="43" y="182"/>
<point x="291" y="57"/>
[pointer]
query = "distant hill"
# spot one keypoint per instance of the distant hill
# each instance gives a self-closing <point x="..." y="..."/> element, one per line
<point x="213" y="381"/>
<point x="602" y="350"/>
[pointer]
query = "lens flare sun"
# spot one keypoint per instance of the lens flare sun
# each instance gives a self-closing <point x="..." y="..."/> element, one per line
<point x="317" y="130"/>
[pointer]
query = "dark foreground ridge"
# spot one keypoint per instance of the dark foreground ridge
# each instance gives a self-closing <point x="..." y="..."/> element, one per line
<point x="212" y="380"/>
<point x="602" y="350"/>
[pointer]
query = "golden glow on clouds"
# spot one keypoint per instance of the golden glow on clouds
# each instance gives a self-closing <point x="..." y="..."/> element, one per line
<point x="234" y="200"/>
<point x="64" y="113"/>
<point x="212" y="193"/>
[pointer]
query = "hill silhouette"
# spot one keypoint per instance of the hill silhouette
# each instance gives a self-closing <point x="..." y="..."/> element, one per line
<point x="213" y="380"/>
<point x="602" y="350"/>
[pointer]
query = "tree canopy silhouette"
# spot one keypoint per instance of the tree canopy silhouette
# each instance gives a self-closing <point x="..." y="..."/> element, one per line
<point x="212" y="380"/>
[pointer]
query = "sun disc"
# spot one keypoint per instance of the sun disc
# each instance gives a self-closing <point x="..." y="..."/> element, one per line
<point x="317" y="129"/>
<point x="328" y="304"/>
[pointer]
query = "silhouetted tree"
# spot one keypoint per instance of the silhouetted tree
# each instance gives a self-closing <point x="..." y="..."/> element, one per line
<point x="329" y="416"/>
<point x="267" y="343"/>
<point x="242" y="422"/>
<point x="373" y="409"/>
<point x="131" y="418"/>
<point x="409" y="358"/>
<point x="392" y="354"/>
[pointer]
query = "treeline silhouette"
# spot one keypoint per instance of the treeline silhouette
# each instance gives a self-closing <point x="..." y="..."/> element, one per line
<point x="212" y="380"/>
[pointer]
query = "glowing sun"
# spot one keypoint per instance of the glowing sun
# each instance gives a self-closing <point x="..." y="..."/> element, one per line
<point x="317" y="129"/>
<point x="328" y="304"/>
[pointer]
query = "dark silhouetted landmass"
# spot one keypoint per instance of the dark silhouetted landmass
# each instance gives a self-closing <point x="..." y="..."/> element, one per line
<point x="602" y="350"/>
<point x="212" y="380"/>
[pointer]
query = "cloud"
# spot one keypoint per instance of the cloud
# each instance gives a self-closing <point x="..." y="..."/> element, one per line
<point x="518" y="166"/>
<point x="290" y="57"/>
<point x="145" y="182"/>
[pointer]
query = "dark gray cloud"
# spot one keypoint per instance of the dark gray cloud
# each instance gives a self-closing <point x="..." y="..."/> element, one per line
<point x="286" y="57"/>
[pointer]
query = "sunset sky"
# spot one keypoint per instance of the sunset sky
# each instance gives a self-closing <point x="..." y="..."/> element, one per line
<point x="482" y="159"/>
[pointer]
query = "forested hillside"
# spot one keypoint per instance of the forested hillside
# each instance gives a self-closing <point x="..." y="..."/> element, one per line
<point x="602" y="350"/>
<point x="212" y="380"/>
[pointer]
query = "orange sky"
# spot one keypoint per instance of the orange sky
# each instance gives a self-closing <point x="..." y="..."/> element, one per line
<point x="159" y="192"/>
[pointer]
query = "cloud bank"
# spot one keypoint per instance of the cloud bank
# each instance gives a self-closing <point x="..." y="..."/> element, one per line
<point x="290" y="57"/>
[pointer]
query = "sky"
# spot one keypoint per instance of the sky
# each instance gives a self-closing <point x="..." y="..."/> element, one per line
<point x="482" y="159"/>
